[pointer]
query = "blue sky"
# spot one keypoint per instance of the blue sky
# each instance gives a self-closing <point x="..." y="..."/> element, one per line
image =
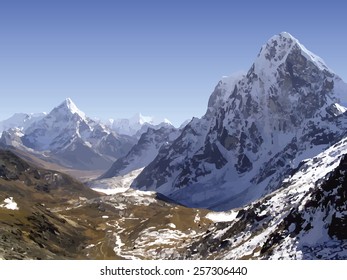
<point x="160" y="58"/>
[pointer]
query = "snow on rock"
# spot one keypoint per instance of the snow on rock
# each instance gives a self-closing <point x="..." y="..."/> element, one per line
<point x="257" y="128"/>
<point x="172" y="225"/>
<point x="20" y="121"/>
<point x="143" y="152"/>
<point x="73" y="108"/>
<point x="276" y="51"/>
<point x="222" y="216"/>
<point x="304" y="219"/>
<point x="114" y="185"/>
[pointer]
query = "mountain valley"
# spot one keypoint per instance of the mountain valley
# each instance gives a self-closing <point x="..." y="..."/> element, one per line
<point x="262" y="175"/>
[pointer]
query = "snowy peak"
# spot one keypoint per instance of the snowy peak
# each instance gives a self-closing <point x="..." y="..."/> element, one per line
<point x="65" y="116"/>
<point x="73" y="139"/>
<point x="167" y="121"/>
<point x="257" y="127"/>
<point x="286" y="78"/>
<point x="277" y="49"/>
<point x="63" y="125"/>
<point x="141" y="119"/>
<point x="137" y="123"/>
<point x="68" y="106"/>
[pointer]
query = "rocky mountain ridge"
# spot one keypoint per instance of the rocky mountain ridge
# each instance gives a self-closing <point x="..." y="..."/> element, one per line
<point x="142" y="153"/>
<point x="257" y="128"/>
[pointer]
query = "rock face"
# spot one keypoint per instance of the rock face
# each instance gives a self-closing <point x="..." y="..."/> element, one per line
<point x="257" y="128"/>
<point x="305" y="219"/>
<point x="67" y="136"/>
<point x="144" y="151"/>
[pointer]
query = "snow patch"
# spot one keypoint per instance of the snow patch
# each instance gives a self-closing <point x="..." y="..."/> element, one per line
<point x="222" y="216"/>
<point x="90" y="246"/>
<point x="114" y="185"/>
<point x="73" y="108"/>
<point x="10" y="204"/>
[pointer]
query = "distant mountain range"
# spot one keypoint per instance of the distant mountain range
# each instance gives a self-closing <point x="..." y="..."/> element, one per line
<point x="20" y="120"/>
<point x="136" y="124"/>
<point x="69" y="138"/>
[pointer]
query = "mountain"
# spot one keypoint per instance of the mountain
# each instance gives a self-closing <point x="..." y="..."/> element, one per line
<point x="28" y="227"/>
<point x="20" y="121"/>
<point x="136" y="125"/>
<point x="306" y="218"/>
<point x="48" y="215"/>
<point x="258" y="127"/>
<point x="142" y="153"/>
<point x="12" y="137"/>
<point x="68" y="137"/>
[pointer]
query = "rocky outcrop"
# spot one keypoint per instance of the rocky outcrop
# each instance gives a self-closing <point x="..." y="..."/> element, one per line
<point x="305" y="219"/>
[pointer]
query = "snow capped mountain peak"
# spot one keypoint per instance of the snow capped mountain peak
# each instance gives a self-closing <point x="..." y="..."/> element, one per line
<point x="73" y="139"/>
<point x="69" y="106"/>
<point x="276" y="51"/>
<point x="166" y="121"/>
<point x="136" y="123"/>
<point x="257" y="127"/>
<point x="287" y="35"/>
<point x="141" y="119"/>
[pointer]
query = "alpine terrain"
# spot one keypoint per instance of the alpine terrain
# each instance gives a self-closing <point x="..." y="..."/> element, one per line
<point x="306" y="218"/>
<point x="262" y="175"/>
<point x="257" y="129"/>
<point x="144" y="151"/>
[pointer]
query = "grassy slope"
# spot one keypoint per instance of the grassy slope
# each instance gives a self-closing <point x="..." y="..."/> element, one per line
<point x="60" y="218"/>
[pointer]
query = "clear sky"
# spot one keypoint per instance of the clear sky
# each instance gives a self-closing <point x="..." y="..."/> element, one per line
<point x="160" y="58"/>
